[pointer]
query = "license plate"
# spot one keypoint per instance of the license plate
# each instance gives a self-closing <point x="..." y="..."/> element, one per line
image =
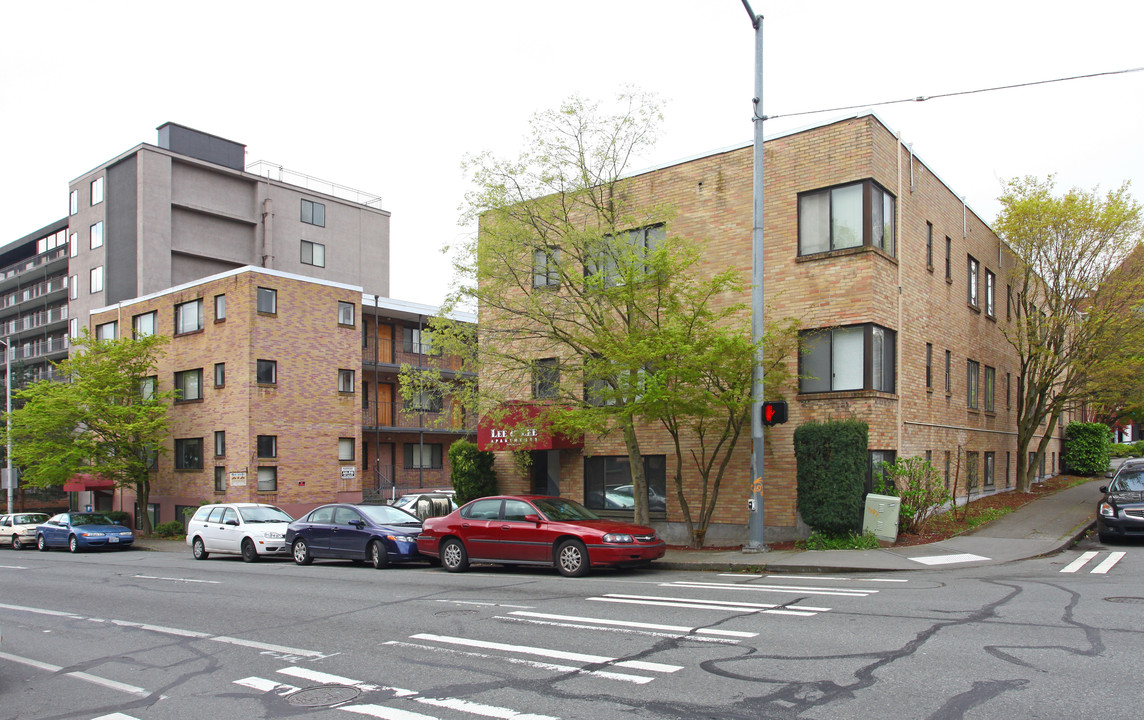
<point x="112" y="539"/>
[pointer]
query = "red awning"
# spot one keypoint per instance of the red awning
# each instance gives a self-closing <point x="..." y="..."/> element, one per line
<point x="87" y="481"/>
<point x="520" y="427"/>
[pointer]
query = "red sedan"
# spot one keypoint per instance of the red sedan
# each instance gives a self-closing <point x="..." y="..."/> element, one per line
<point x="536" y="530"/>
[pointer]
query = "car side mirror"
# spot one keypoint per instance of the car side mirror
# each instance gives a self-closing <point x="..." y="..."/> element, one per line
<point x="231" y="522"/>
<point x="1108" y="474"/>
<point x="1104" y="488"/>
<point x="358" y="523"/>
<point x="532" y="518"/>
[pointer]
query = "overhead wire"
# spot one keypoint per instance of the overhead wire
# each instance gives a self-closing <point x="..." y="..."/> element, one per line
<point x="923" y="98"/>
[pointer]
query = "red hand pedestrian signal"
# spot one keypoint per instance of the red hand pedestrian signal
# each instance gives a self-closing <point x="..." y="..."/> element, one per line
<point x="774" y="412"/>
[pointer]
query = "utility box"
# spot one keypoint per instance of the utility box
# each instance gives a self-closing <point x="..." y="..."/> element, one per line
<point x="881" y="517"/>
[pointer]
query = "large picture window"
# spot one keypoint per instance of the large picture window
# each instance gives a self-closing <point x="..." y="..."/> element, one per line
<point x="419" y="456"/>
<point x="861" y="357"/>
<point x="189" y="454"/>
<point x="619" y="258"/>
<point x="608" y="482"/>
<point x="189" y="384"/>
<point x="189" y="316"/>
<point x="847" y="216"/>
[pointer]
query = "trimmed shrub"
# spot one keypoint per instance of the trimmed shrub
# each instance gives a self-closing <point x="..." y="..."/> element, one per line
<point x="169" y="529"/>
<point x="920" y="487"/>
<point x="831" y="474"/>
<point x="473" y="475"/>
<point x="1087" y="447"/>
<point x="120" y="516"/>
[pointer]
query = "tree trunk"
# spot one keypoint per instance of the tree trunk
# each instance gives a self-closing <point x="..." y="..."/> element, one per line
<point x="143" y="497"/>
<point x="639" y="482"/>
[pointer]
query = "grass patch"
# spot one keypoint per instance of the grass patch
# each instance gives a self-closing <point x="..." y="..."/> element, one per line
<point x="850" y="541"/>
<point x="984" y="515"/>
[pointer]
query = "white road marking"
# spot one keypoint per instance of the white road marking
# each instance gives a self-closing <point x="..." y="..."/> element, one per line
<point x="650" y="633"/>
<point x="13" y="567"/>
<point x="486" y="604"/>
<point x="87" y="677"/>
<point x="948" y="559"/>
<point x="699" y="604"/>
<point x="1105" y="566"/>
<point x="386" y="713"/>
<point x="810" y="577"/>
<point x="546" y="652"/>
<point x="175" y="631"/>
<point x="795" y="589"/>
<point x="1079" y="562"/>
<point x="115" y="716"/>
<point x="623" y="677"/>
<point x="186" y="580"/>
<point x="632" y="624"/>
<point x="480" y="709"/>
<point x="264" y="685"/>
<point x="328" y="679"/>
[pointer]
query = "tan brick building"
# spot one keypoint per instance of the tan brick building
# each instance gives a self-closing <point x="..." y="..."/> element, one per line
<point x="278" y="383"/>
<point x="901" y="291"/>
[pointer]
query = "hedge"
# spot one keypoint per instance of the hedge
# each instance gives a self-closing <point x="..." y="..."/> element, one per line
<point x="832" y="458"/>
<point x="1086" y="448"/>
<point x="472" y="472"/>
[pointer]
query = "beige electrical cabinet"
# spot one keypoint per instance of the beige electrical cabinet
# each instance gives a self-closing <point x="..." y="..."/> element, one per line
<point x="881" y="516"/>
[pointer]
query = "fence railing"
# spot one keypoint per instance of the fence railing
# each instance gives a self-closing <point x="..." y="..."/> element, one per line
<point x="34" y="262"/>
<point x="274" y="171"/>
<point x="398" y="353"/>
<point x="396" y="414"/>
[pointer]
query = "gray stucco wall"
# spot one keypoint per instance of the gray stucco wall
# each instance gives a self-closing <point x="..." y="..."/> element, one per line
<point x="121" y="234"/>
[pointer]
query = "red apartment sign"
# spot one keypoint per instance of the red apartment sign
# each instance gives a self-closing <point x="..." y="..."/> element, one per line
<point x="521" y="427"/>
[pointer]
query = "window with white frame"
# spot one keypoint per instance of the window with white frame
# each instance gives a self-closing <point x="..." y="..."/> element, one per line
<point x="73" y="327"/>
<point x="96" y="279"/>
<point x="144" y="324"/>
<point x="266" y="372"/>
<point x="345" y="381"/>
<point x="73" y="245"/>
<point x="189" y="385"/>
<point x="846" y="216"/>
<point x="345" y="449"/>
<point x="97" y="235"/>
<point x="313" y="254"/>
<point x="345" y="313"/>
<point x="990" y="284"/>
<point x="973" y="271"/>
<point x="105" y="331"/>
<point x="267" y="478"/>
<point x="73" y="202"/>
<point x="267" y="300"/>
<point x="73" y="287"/>
<point x="97" y="191"/>
<point x="859" y="357"/>
<point x="189" y="317"/>
<point x="545" y="267"/>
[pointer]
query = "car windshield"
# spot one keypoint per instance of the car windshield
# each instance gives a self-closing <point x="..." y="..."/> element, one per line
<point x="34" y="519"/>
<point x="263" y="515"/>
<point x="403" y="501"/>
<point x="561" y="509"/>
<point x="1129" y="482"/>
<point x="90" y="519"/>
<point x="387" y="515"/>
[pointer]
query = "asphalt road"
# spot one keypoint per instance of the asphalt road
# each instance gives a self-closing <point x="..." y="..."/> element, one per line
<point x="155" y="635"/>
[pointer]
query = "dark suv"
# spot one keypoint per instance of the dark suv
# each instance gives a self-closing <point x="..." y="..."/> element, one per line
<point x="1121" y="512"/>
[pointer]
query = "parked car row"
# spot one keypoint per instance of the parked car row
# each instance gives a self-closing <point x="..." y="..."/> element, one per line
<point x="75" y="531"/>
<point x="505" y="530"/>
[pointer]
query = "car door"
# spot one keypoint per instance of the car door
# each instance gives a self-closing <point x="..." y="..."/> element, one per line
<point x="56" y="530"/>
<point x="229" y="531"/>
<point x="519" y="539"/>
<point x="351" y="533"/>
<point x="5" y="529"/>
<point x="319" y="531"/>
<point x="477" y="529"/>
<point x="211" y="530"/>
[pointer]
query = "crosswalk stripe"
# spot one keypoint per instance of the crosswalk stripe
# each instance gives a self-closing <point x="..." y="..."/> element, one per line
<point x="473" y="708"/>
<point x="385" y="713"/>
<point x="633" y="624"/>
<point x="87" y="677"/>
<point x="115" y="716"/>
<point x="1105" y="566"/>
<point x="797" y="589"/>
<point x="623" y="677"/>
<point x="549" y="653"/>
<point x="1079" y="562"/>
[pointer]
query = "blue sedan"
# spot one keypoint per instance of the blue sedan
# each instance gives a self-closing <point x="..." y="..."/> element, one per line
<point x="379" y="534"/>
<point x="82" y="531"/>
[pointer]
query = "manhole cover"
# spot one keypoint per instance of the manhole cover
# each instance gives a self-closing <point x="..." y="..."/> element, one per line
<point x="456" y="612"/>
<point x="323" y="695"/>
<point x="1125" y="599"/>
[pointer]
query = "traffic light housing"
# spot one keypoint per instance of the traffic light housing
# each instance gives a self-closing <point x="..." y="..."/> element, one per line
<point x="774" y="412"/>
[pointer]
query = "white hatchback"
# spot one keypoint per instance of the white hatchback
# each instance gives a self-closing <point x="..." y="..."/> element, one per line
<point x="248" y="529"/>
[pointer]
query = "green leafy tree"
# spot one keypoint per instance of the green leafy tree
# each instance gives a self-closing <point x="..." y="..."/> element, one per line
<point x="585" y="293"/>
<point x="104" y="417"/>
<point x="1076" y="302"/>
<point x="473" y="475"/>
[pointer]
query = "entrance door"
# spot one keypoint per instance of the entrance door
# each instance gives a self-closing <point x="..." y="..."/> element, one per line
<point x="385" y="404"/>
<point x="545" y="472"/>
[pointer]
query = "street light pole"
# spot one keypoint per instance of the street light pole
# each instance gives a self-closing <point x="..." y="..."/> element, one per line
<point x="8" y="421"/>
<point x="756" y="525"/>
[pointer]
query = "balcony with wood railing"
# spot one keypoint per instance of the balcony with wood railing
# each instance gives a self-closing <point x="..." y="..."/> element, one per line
<point x="449" y="417"/>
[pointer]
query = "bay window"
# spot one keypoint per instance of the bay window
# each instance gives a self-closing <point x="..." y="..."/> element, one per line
<point x="846" y="216"/>
<point x="860" y="357"/>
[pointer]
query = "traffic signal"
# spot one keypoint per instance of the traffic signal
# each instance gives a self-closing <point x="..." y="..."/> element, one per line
<point x="774" y="412"/>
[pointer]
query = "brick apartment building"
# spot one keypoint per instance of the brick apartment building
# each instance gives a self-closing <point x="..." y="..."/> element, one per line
<point x="280" y="378"/>
<point x="899" y="288"/>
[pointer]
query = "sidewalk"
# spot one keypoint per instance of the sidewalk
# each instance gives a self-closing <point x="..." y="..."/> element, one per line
<point x="1042" y="527"/>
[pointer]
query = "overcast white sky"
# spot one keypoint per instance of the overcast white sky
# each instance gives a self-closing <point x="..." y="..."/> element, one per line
<point x="387" y="97"/>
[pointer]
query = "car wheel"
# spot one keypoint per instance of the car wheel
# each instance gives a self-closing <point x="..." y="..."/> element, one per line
<point x="1105" y="538"/>
<point x="249" y="552"/>
<point x="41" y="543"/>
<point x="73" y="544"/>
<point x="378" y="556"/>
<point x="572" y="558"/>
<point x="199" y="550"/>
<point x="302" y="554"/>
<point x="454" y="558"/>
<point x="16" y="544"/>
